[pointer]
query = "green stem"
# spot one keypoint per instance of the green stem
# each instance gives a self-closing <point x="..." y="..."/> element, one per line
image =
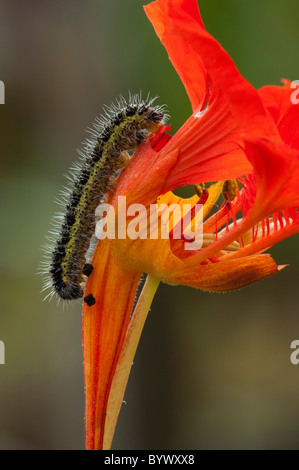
<point x="126" y="358"/>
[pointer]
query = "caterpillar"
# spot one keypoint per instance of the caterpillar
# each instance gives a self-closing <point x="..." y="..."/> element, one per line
<point x="119" y="131"/>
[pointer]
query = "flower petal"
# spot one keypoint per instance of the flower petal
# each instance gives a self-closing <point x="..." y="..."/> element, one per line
<point x="104" y="328"/>
<point x="284" y="108"/>
<point x="188" y="64"/>
<point x="196" y="55"/>
<point x="227" y="275"/>
<point x="276" y="169"/>
<point x="143" y="179"/>
<point x="209" y="148"/>
<point x="276" y="99"/>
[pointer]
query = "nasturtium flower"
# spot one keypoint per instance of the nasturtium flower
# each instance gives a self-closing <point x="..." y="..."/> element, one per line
<point x="246" y="144"/>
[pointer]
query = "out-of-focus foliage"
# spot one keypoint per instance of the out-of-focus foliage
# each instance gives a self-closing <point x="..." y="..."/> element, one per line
<point x="212" y="371"/>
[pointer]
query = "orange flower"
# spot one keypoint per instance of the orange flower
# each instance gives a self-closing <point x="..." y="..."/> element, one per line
<point x="237" y="135"/>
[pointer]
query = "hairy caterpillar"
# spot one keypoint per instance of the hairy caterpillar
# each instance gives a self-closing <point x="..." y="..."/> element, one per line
<point x="122" y="129"/>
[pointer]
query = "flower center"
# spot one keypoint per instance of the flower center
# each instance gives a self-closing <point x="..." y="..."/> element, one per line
<point x="211" y="226"/>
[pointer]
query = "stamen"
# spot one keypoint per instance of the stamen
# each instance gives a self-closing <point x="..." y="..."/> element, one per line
<point x="189" y="218"/>
<point x="293" y="214"/>
<point x="275" y="222"/>
<point x="263" y="229"/>
<point x="280" y="219"/>
<point x="220" y="218"/>
<point x="255" y="232"/>
<point x="268" y="226"/>
<point x="204" y="197"/>
<point x="286" y="217"/>
<point x="230" y="190"/>
<point x="199" y="189"/>
<point x="209" y="238"/>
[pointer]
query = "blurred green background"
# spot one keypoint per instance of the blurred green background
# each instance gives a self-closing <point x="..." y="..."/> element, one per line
<point x="212" y="371"/>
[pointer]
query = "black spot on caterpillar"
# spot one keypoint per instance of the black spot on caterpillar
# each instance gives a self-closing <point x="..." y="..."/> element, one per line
<point x="123" y="127"/>
<point x="87" y="269"/>
<point x="89" y="300"/>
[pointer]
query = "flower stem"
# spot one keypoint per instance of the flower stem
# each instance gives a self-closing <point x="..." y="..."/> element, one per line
<point x="127" y="354"/>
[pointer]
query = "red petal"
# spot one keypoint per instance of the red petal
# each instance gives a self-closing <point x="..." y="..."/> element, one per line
<point x="196" y="55"/>
<point x="276" y="169"/>
<point x="188" y="64"/>
<point x="288" y="127"/>
<point x="144" y="177"/>
<point x="209" y="148"/>
<point x="281" y="102"/>
<point x="276" y="99"/>
<point x="104" y="328"/>
<point x="229" y="275"/>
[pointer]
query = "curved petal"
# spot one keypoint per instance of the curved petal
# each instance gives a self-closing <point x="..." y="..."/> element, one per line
<point x="229" y="275"/>
<point x="276" y="99"/>
<point x="276" y="170"/>
<point x="196" y="55"/>
<point x="104" y="328"/>
<point x="188" y="65"/>
<point x="282" y="102"/>
<point x="209" y="147"/>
